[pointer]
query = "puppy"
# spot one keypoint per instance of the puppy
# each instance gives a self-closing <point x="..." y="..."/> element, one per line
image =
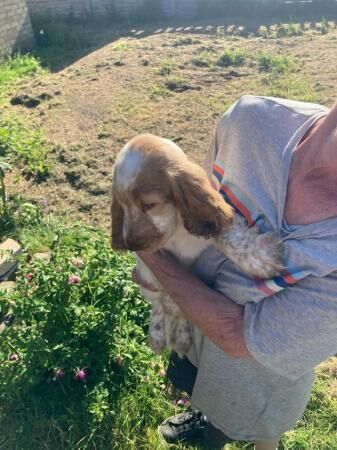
<point x="161" y="200"/>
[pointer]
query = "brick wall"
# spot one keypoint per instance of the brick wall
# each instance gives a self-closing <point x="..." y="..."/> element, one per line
<point x="15" y="27"/>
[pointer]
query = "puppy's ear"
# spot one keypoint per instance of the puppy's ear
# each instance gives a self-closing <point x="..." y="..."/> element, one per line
<point x="203" y="210"/>
<point x="117" y="218"/>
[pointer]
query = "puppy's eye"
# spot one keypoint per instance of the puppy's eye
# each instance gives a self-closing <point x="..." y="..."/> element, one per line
<point x="148" y="206"/>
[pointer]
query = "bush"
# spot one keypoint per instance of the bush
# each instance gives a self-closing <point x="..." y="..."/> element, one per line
<point x="79" y="337"/>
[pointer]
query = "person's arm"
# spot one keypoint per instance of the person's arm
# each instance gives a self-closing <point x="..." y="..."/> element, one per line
<point x="217" y="317"/>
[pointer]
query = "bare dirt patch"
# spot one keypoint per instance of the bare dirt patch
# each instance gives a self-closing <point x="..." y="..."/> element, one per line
<point x="165" y="82"/>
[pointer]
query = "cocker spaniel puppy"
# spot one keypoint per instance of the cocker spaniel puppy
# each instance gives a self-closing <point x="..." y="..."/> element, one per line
<point x="161" y="200"/>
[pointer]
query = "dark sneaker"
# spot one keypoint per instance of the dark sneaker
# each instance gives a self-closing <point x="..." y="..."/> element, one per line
<point x="187" y="426"/>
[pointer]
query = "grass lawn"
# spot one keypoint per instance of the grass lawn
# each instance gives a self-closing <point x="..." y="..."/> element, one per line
<point x="76" y="371"/>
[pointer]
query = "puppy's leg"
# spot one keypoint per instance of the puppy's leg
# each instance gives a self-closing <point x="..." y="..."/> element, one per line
<point x="182" y="336"/>
<point x="157" y="337"/>
<point x="157" y="334"/>
<point x="178" y="332"/>
<point x="258" y="255"/>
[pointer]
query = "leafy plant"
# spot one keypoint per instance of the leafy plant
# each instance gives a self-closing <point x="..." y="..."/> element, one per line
<point x="26" y="148"/>
<point x="158" y="91"/>
<point x="280" y="30"/>
<point x="263" y="31"/>
<point x="13" y="68"/>
<point x="166" y="67"/>
<point x="232" y="58"/>
<point x="294" y="29"/>
<point x="279" y="64"/>
<point x="324" y="26"/>
<point x="80" y="328"/>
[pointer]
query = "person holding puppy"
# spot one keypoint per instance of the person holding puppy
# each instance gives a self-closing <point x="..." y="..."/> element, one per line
<point x="255" y="341"/>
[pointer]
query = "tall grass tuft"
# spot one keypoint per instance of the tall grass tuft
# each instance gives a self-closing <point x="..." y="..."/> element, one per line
<point x="26" y="148"/>
<point x="14" y="68"/>
<point x="279" y="64"/>
<point x="232" y="58"/>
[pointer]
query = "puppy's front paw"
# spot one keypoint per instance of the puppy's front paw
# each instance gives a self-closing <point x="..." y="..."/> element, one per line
<point x="267" y="261"/>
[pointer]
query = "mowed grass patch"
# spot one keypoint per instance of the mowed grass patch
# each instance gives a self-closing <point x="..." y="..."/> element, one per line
<point x="219" y="103"/>
<point x="121" y="95"/>
<point x="205" y="58"/>
<point x="127" y="108"/>
<point x="182" y="41"/>
<point x="291" y="86"/>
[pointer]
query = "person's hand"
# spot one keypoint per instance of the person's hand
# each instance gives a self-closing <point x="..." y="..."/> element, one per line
<point x="136" y="278"/>
<point x="158" y="261"/>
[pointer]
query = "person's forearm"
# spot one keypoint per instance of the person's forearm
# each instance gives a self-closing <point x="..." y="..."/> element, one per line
<point x="217" y="317"/>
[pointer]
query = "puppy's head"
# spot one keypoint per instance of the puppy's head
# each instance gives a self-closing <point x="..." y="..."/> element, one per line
<point x="155" y="190"/>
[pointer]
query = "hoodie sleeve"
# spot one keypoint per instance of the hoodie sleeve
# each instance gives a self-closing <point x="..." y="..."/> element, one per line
<point x="296" y="329"/>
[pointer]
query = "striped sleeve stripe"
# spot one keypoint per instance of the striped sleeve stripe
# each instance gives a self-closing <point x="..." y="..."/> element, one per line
<point x="234" y="196"/>
<point x="247" y="209"/>
<point x="277" y="284"/>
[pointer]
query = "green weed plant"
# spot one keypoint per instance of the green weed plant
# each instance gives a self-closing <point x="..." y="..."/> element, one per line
<point x="291" y="29"/>
<point x="278" y="64"/>
<point x="14" y="68"/>
<point x="167" y="66"/>
<point x="232" y="58"/>
<point x="25" y="148"/>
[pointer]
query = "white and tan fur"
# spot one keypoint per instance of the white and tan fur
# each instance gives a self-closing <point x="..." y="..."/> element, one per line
<point x="161" y="200"/>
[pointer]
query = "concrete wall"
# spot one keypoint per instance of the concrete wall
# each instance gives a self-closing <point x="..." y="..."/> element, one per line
<point x="120" y="8"/>
<point x="71" y="8"/>
<point x="15" y="27"/>
<point x="180" y="8"/>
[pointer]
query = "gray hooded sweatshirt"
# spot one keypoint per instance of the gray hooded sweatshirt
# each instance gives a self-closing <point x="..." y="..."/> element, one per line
<point x="290" y="321"/>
